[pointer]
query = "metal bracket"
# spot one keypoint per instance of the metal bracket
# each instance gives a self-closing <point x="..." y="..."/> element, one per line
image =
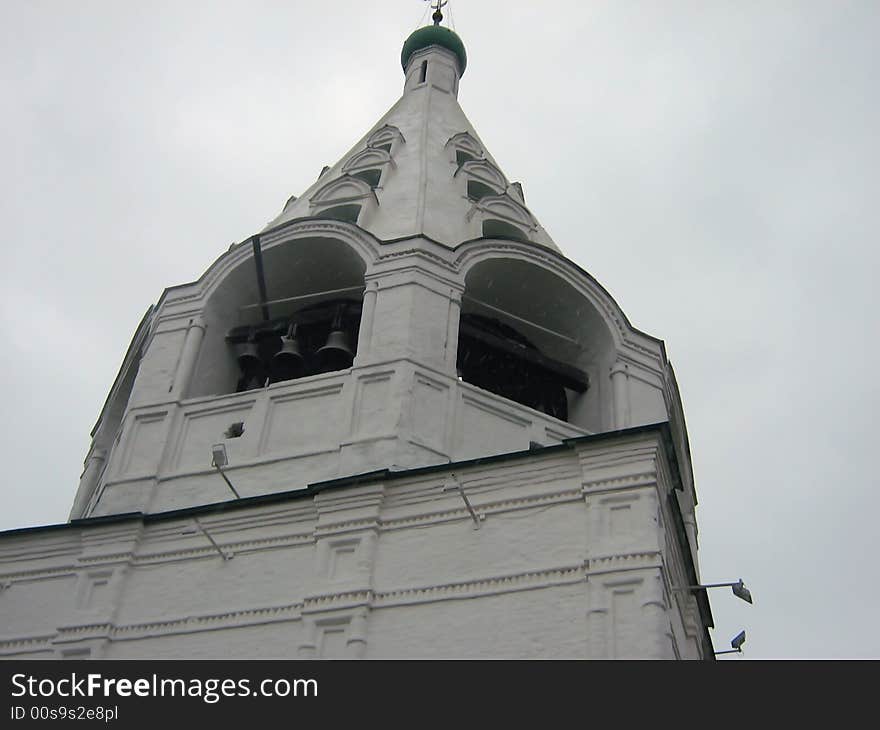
<point x="477" y="518"/>
<point x="223" y="553"/>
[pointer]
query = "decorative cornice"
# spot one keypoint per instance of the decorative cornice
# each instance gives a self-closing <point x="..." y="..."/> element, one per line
<point x="80" y="631"/>
<point x="37" y="573"/>
<point x="418" y="252"/>
<point x="329" y="602"/>
<point x="238" y="546"/>
<point x="209" y="622"/>
<point x="336" y="528"/>
<point x="603" y="564"/>
<point x="25" y="642"/>
<point x="108" y="559"/>
<point x="530" y="580"/>
<point x="628" y="481"/>
<point x="346" y="599"/>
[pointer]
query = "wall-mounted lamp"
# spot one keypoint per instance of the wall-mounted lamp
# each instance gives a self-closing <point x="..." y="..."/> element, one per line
<point x="738" y="587"/>
<point x="736" y="642"/>
<point x="218" y="461"/>
<point x="457" y="487"/>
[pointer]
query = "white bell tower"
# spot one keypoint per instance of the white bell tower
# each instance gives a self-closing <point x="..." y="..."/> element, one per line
<point x="403" y="334"/>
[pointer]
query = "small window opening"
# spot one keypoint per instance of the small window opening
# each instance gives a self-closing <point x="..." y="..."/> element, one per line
<point x="386" y="147"/>
<point x="477" y="190"/>
<point x="423" y="73"/>
<point x="371" y="177"/>
<point x="348" y="213"/>
<point x="461" y="157"/>
<point x="235" y="430"/>
<point x="501" y="229"/>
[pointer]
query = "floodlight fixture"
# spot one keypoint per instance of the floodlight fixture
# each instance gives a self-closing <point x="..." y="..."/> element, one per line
<point x="218" y="461"/>
<point x="738" y="587"/>
<point x="740" y="591"/>
<point x="218" y="455"/>
<point x="736" y="642"/>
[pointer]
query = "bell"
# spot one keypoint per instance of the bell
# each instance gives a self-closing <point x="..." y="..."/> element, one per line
<point x="248" y="358"/>
<point x="336" y="354"/>
<point x="288" y="363"/>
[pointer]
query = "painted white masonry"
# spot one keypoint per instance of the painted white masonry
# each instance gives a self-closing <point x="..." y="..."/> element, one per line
<point x="582" y="544"/>
<point x="577" y="557"/>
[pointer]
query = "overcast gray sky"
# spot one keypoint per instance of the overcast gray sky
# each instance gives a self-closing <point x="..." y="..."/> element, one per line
<point x="713" y="164"/>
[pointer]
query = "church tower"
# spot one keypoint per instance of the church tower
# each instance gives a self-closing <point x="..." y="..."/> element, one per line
<point x="396" y="422"/>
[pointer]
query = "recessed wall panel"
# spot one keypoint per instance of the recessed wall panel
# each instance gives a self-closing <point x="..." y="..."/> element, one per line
<point x="299" y="421"/>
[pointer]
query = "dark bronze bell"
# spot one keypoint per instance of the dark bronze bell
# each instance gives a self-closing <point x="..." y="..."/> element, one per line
<point x="336" y="354"/>
<point x="248" y="358"/>
<point x="288" y="363"/>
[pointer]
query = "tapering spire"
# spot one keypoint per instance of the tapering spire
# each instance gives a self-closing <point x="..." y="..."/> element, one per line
<point x="422" y="169"/>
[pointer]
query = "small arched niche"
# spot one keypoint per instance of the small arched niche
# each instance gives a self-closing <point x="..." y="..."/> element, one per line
<point x="462" y="148"/>
<point x="348" y="213"/>
<point x="343" y="198"/>
<point x="387" y="138"/>
<point x="369" y="165"/>
<point x="370" y="176"/>
<point x="494" y="228"/>
<point x="501" y="216"/>
<point x="528" y="335"/>
<point x="314" y="289"/>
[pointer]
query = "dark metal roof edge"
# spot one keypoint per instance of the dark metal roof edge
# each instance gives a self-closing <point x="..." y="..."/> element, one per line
<point x="662" y="428"/>
<point x="87" y="522"/>
<point x="315" y="487"/>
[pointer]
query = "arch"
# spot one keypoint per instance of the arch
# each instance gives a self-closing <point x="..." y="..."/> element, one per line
<point x="346" y="198"/>
<point x="463" y="148"/>
<point x="341" y="189"/>
<point x="484" y="171"/>
<point x="369" y="157"/>
<point x="303" y="271"/>
<point x="558" y="322"/>
<point x="467" y="142"/>
<point x="386" y="136"/>
<point x="505" y="208"/>
<point x="474" y="252"/>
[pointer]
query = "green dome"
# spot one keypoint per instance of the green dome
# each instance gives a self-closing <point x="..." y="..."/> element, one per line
<point x="433" y="35"/>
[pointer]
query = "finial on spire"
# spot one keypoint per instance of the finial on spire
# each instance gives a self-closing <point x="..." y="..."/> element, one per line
<point x="437" y="6"/>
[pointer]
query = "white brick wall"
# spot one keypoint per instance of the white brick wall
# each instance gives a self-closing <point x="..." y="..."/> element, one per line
<point x="570" y="561"/>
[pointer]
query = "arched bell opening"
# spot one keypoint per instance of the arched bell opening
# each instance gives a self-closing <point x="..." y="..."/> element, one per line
<point x="307" y="323"/>
<point x="528" y="335"/>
